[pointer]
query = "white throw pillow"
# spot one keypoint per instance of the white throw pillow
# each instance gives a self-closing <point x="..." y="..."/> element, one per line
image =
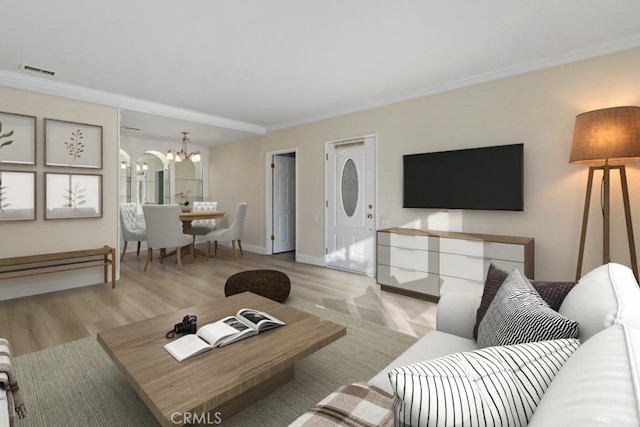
<point x="495" y="386"/>
<point x="518" y="314"/>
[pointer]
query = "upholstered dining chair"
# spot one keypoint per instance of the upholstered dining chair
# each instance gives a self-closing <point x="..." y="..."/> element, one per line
<point x="164" y="230"/>
<point x="200" y="227"/>
<point x="232" y="234"/>
<point x="132" y="225"/>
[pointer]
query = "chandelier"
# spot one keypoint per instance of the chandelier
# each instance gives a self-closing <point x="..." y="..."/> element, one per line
<point x="181" y="155"/>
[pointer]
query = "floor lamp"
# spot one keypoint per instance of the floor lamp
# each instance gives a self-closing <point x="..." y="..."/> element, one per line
<point x="607" y="138"/>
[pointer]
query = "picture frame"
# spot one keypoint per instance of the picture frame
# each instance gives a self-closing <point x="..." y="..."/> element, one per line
<point x="71" y="144"/>
<point x="17" y="196"/>
<point x="17" y="139"/>
<point x="70" y="196"/>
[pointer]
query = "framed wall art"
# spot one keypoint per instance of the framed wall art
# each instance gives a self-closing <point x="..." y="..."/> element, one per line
<point x="17" y="196"/>
<point x="72" y="144"/>
<point x="17" y="139"/>
<point x="73" y="196"/>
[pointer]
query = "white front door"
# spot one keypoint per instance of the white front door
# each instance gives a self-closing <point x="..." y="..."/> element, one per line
<point x="350" y="205"/>
<point x="284" y="203"/>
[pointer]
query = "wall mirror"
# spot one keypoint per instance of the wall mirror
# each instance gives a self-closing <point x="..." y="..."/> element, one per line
<point x="187" y="185"/>
<point x="152" y="178"/>
<point x="124" y="180"/>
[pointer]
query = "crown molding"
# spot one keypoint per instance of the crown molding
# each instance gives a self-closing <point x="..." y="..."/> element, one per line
<point x="65" y="90"/>
<point x="573" y="56"/>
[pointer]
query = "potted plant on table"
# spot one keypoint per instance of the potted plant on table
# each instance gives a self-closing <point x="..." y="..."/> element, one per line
<point x="184" y="206"/>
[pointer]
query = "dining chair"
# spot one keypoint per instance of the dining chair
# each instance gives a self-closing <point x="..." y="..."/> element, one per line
<point x="164" y="230"/>
<point x="200" y="227"/>
<point x="132" y="225"/>
<point x="232" y="234"/>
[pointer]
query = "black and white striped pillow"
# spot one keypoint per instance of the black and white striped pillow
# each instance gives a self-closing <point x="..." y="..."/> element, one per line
<point x="495" y="386"/>
<point x="518" y="315"/>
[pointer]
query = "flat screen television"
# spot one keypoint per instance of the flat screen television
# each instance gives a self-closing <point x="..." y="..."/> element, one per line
<point x="487" y="178"/>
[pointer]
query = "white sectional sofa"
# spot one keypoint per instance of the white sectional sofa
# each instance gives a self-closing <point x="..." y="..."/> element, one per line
<point x="599" y="385"/>
<point x="4" y="409"/>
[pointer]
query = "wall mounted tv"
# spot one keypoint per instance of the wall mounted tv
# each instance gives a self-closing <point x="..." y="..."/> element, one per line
<point x="487" y="178"/>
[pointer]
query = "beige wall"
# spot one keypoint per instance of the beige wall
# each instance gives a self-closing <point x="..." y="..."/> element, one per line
<point x="238" y="174"/>
<point x="40" y="236"/>
<point x="537" y="109"/>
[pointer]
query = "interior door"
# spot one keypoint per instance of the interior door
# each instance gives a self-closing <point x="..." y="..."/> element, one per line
<point x="284" y="203"/>
<point x="350" y="205"/>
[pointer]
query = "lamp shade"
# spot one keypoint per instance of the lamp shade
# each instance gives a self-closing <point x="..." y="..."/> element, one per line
<point x="610" y="134"/>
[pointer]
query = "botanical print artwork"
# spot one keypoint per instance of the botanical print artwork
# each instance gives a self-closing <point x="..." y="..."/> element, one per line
<point x="5" y="136"/>
<point x="17" y="196"/>
<point x="72" y="144"/>
<point x="17" y="139"/>
<point x="3" y="197"/>
<point x="75" y="145"/>
<point x="73" y="196"/>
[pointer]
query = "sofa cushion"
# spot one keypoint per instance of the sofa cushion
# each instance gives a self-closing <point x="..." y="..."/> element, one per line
<point x="495" y="386"/>
<point x="457" y="313"/>
<point x="603" y="297"/>
<point x="4" y="409"/>
<point x="598" y="385"/>
<point x="433" y="344"/>
<point x="552" y="292"/>
<point x="518" y="315"/>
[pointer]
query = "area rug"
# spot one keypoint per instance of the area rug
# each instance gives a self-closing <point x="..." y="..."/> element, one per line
<point x="76" y="384"/>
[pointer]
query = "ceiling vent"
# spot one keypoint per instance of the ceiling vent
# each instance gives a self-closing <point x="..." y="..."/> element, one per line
<point x="38" y="70"/>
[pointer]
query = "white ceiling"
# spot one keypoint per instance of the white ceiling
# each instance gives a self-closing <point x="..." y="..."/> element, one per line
<point x="230" y="69"/>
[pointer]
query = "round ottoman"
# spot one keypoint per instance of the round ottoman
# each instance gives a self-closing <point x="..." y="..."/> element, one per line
<point x="270" y="284"/>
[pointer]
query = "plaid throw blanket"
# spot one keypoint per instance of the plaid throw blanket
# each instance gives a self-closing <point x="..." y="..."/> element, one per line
<point x="10" y="385"/>
<point x="352" y="405"/>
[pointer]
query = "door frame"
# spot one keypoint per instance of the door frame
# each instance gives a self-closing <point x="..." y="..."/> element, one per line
<point x="327" y="145"/>
<point x="269" y="201"/>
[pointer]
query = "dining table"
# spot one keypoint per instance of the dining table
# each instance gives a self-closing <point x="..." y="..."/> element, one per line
<point x="192" y="215"/>
<point x="188" y="217"/>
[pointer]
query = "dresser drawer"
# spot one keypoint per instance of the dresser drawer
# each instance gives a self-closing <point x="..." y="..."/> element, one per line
<point x="471" y="267"/>
<point x="425" y="243"/>
<point x="412" y="259"/>
<point x="483" y="249"/>
<point x="462" y="247"/>
<point x="464" y="286"/>
<point x="417" y="281"/>
<point x="505" y="251"/>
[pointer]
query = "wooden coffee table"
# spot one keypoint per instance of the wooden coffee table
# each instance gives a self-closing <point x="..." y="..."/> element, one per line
<point x="221" y="381"/>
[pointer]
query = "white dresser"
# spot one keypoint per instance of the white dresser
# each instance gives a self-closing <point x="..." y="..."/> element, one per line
<point x="427" y="264"/>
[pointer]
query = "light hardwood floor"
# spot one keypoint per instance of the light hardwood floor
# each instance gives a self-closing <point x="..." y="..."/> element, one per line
<point x="41" y="321"/>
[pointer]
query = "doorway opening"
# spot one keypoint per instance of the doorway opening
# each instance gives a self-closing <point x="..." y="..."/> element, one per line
<point x="282" y="206"/>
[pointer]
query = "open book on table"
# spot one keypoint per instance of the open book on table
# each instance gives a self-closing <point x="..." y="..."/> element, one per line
<point x="245" y="323"/>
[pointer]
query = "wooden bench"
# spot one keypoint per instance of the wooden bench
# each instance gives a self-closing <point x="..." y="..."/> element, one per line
<point x="34" y="265"/>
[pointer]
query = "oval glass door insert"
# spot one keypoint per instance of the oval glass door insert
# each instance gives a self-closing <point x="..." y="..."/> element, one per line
<point x="349" y="188"/>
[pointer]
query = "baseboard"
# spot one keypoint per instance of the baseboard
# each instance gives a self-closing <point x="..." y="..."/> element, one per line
<point x="255" y="249"/>
<point x="27" y="286"/>
<point x="313" y="260"/>
<point x="245" y="247"/>
<point x="260" y="250"/>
